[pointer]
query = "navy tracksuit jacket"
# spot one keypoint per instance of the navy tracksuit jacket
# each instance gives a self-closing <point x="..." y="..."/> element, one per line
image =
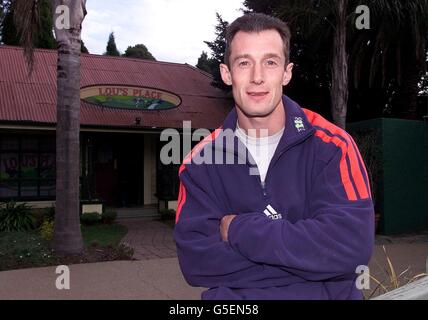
<point x="301" y="235"/>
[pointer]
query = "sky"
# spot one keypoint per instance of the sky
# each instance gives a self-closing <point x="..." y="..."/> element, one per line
<point x="172" y="30"/>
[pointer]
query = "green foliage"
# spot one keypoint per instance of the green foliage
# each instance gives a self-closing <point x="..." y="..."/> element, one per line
<point x="167" y="214"/>
<point x="124" y="252"/>
<point x="218" y="48"/>
<point x="27" y="249"/>
<point x="50" y="213"/>
<point x="24" y="249"/>
<point x="43" y="36"/>
<point x="207" y="64"/>
<point x="108" y="217"/>
<point x="16" y="217"/>
<point x="385" y="62"/>
<point x="4" y="7"/>
<point x="139" y="51"/>
<point x="111" y="49"/>
<point x="83" y="48"/>
<point x="90" y="218"/>
<point x="47" y="230"/>
<point x="103" y="234"/>
<point x="9" y="34"/>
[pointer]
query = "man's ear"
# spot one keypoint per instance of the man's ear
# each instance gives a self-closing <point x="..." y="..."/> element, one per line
<point x="288" y="73"/>
<point x="225" y="74"/>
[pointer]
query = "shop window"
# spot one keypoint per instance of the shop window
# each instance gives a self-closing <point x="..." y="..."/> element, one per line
<point x="29" y="188"/>
<point x="47" y="188"/>
<point x="9" y="189"/>
<point x="27" y="167"/>
<point x="9" y="143"/>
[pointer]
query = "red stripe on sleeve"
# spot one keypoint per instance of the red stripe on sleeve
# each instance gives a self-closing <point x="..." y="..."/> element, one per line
<point x="182" y="197"/>
<point x="198" y="148"/>
<point x="346" y="181"/>
<point x="363" y="166"/>
<point x="352" y="151"/>
<point x="187" y="160"/>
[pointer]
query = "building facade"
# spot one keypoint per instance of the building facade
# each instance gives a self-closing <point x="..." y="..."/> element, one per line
<point x="125" y="105"/>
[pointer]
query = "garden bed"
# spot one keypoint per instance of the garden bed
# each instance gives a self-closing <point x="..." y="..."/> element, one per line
<point x="27" y="249"/>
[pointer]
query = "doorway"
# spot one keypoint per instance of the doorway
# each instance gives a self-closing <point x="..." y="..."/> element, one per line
<point x="118" y="169"/>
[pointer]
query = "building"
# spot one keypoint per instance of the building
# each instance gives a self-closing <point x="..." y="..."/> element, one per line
<point x="125" y="104"/>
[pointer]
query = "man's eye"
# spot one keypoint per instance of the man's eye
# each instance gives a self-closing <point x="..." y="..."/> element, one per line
<point x="244" y="63"/>
<point x="271" y="63"/>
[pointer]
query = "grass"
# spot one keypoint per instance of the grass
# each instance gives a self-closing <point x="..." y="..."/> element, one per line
<point x="29" y="250"/>
<point x="104" y="234"/>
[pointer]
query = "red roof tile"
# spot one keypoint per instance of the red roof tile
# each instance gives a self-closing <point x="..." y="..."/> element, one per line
<point x="33" y="99"/>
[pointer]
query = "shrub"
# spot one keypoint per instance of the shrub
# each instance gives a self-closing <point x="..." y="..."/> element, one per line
<point x="90" y="218"/>
<point x="124" y="252"/>
<point x="394" y="279"/>
<point x="39" y="216"/>
<point x="16" y="217"/>
<point x="50" y="213"/>
<point x="109" y="217"/>
<point x="47" y="230"/>
<point x="167" y="214"/>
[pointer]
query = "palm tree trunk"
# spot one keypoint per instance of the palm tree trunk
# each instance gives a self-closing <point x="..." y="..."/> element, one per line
<point x="339" y="87"/>
<point x="67" y="234"/>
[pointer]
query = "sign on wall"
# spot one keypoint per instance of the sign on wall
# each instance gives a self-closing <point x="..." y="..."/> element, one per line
<point x="130" y="97"/>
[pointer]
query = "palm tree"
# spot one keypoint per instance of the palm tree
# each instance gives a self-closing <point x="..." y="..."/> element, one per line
<point x="327" y="17"/>
<point x="395" y="51"/>
<point x="397" y="38"/>
<point x="67" y="234"/>
<point x="339" y="79"/>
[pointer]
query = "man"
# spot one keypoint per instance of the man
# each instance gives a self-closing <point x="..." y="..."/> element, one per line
<point x="301" y="226"/>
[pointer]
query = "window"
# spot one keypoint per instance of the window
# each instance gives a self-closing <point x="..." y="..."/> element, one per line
<point x="27" y="167"/>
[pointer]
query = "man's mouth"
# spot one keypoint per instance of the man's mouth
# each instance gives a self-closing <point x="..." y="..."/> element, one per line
<point x="257" y="95"/>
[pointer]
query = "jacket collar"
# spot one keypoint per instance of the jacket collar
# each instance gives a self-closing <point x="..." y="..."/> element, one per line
<point x="297" y="126"/>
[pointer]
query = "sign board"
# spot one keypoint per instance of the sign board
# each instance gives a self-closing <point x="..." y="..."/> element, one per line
<point x="130" y="97"/>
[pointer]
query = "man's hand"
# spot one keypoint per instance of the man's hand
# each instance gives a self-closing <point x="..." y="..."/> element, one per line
<point x="224" y="226"/>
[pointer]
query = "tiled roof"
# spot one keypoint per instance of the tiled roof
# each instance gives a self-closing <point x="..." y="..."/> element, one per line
<point x="33" y="99"/>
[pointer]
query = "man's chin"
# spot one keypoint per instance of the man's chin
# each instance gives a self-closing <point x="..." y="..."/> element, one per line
<point x="257" y="113"/>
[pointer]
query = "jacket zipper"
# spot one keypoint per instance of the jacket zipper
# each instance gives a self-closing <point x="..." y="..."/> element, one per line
<point x="272" y="163"/>
<point x="263" y="184"/>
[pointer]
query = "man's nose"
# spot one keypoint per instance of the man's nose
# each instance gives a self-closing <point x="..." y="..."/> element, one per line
<point x="257" y="74"/>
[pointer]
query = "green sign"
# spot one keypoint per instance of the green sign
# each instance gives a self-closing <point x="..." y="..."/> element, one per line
<point x="130" y="97"/>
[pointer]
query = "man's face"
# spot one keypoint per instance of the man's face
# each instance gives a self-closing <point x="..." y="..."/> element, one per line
<point x="257" y="72"/>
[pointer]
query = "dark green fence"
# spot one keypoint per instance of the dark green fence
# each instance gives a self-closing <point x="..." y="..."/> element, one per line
<point x="396" y="156"/>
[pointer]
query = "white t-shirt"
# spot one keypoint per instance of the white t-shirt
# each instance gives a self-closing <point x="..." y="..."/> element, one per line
<point x="261" y="149"/>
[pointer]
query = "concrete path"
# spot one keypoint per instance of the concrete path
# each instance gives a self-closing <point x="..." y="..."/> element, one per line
<point x="158" y="279"/>
<point x="156" y="275"/>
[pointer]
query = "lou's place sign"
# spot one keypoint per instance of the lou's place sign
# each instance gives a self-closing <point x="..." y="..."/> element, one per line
<point x="129" y="97"/>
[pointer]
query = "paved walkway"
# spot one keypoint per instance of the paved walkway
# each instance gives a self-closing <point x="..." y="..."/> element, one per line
<point x="150" y="239"/>
<point x="156" y="274"/>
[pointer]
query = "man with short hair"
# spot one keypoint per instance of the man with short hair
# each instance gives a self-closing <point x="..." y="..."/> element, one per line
<point x="300" y="226"/>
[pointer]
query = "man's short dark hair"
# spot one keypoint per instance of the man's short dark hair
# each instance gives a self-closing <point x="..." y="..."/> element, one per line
<point x="257" y="22"/>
